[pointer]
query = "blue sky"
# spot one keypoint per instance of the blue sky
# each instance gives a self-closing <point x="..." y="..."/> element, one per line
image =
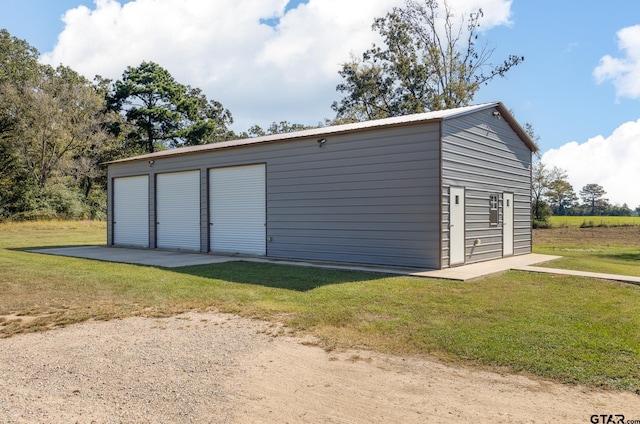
<point x="275" y="60"/>
<point x="554" y="89"/>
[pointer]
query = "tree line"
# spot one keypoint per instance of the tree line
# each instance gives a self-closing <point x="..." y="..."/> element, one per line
<point x="57" y="127"/>
<point x="552" y="194"/>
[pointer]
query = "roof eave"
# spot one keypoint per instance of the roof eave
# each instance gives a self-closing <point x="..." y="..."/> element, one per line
<point x="275" y="138"/>
<point x="515" y="126"/>
<point x="423" y="118"/>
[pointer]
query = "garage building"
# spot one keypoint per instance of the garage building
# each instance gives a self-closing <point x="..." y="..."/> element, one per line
<point x="431" y="190"/>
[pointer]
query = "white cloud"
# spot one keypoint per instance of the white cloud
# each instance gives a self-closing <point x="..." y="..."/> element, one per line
<point x="571" y="47"/>
<point x="260" y="73"/>
<point x="495" y="12"/>
<point x="609" y="161"/>
<point x="623" y="72"/>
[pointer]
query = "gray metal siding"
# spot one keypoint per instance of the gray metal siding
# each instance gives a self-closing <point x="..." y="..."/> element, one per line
<point x="367" y="197"/>
<point x="483" y="154"/>
<point x="370" y="197"/>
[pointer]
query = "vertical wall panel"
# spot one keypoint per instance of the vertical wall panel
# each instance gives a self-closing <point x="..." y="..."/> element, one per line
<point x="482" y="153"/>
<point x="368" y="197"/>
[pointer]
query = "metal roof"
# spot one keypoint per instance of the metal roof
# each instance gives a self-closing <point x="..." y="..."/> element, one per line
<point x="418" y="118"/>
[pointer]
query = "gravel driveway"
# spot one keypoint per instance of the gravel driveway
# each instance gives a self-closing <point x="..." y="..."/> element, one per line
<point x="215" y="368"/>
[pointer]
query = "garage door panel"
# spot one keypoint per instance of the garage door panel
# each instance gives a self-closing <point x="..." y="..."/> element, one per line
<point x="131" y="211"/>
<point x="245" y="237"/>
<point x="178" y="210"/>
<point x="237" y="209"/>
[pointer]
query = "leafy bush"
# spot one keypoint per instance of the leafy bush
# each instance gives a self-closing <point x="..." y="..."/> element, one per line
<point x="65" y="199"/>
<point x="592" y="224"/>
<point x="60" y="199"/>
<point x="97" y="204"/>
<point x="542" y="223"/>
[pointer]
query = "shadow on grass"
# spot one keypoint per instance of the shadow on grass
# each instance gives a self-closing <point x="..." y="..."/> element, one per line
<point x="632" y="257"/>
<point x="297" y="278"/>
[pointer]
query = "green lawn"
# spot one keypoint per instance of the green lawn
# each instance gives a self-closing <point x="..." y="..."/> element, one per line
<point x="574" y="330"/>
<point x="613" y="250"/>
<point x="604" y="259"/>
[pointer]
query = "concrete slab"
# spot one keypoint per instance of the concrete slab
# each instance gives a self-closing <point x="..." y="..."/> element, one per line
<point x="163" y="258"/>
<point x="172" y="259"/>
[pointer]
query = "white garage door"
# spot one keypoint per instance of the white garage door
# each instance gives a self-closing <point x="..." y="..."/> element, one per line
<point x="178" y="210"/>
<point x="237" y="210"/>
<point x="131" y="211"/>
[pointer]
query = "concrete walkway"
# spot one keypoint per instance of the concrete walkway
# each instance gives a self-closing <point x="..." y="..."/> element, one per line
<point x="614" y="277"/>
<point x="172" y="259"/>
<point x="483" y="269"/>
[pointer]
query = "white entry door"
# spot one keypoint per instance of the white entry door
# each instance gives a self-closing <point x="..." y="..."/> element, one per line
<point x="456" y="226"/>
<point x="507" y="224"/>
<point x="178" y="210"/>
<point x="131" y="211"/>
<point x="237" y="210"/>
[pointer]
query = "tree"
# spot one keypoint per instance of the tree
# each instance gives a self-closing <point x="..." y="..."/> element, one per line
<point x="210" y="120"/>
<point x="49" y="120"/>
<point x="540" y="180"/>
<point x="616" y="210"/>
<point x="551" y="193"/>
<point x="18" y="65"/>
<point x="159" y="112"/>
<point x="281" y="127"/>
<point x="423" y="65"/>
<point x="593" y="196"/>
<point x="560" y="194"/>
<point x="535" y="138"/>
<point x="15" y="183"/>
<point x="58" y="122"/>
<point x="53" y="116"/>
<point x="18" y="60"/>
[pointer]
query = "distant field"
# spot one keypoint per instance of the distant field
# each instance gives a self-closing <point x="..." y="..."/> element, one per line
<point x="611" y="250"/>
<point x="594" y="221"/>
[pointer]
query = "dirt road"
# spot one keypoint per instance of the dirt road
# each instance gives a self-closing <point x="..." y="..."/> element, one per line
<point x="214" y="368"/>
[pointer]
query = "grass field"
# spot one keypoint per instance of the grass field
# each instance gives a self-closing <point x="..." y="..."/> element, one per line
<point x="594" y="221"/>
<point x="612" y="250"/>
<point x="574" y="330"/>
